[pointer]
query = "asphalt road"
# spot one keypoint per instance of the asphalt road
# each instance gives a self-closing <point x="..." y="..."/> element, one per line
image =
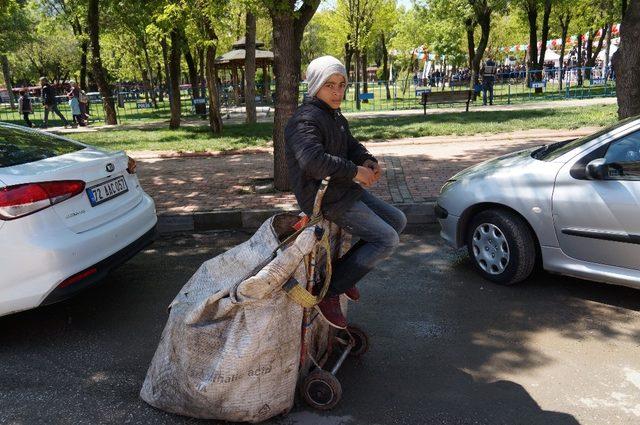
<point x="447" y="347"/>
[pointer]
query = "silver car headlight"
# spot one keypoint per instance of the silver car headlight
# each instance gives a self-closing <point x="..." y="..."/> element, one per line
<point x="447" y="185"/>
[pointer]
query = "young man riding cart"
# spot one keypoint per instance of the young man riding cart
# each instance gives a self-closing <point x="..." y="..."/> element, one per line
<point x="318" y="145"/>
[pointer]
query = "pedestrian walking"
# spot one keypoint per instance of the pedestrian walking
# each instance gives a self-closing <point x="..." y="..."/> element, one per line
<point x="25" y="107"/>
<point x="49" y="103"/>
<point x="84" y="102"/>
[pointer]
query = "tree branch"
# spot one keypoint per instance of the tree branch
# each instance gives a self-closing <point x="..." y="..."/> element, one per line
<point x="305" y="13"/>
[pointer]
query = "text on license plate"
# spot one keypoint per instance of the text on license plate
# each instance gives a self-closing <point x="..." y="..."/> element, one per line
<point x="107" y="190"/>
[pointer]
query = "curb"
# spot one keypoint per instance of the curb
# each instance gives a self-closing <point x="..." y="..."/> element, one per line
<point x="417" y="214"/>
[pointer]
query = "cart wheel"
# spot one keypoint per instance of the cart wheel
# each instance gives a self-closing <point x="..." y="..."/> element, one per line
<point x="361" y="341"/>
<point x="321" y="390"/>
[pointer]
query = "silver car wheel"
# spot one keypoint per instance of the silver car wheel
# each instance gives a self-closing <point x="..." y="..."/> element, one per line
<point x="490" y="248"/>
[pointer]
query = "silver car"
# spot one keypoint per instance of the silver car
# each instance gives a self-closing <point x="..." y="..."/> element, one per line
<point x="572" y="206"/>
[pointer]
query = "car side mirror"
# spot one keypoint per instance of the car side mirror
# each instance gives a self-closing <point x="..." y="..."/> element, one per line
<point x="597" y="169"/>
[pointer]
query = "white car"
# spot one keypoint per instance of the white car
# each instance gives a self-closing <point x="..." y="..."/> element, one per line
<point x="69" y="213"/>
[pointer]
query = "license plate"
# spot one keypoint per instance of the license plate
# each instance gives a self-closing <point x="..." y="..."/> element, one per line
<point x="107" y="190"/>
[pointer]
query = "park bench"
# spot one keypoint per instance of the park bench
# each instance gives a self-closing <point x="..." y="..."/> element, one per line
<point x="455" y="96"/>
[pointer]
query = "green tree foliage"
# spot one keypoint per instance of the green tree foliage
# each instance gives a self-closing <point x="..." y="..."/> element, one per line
<point x="48" y="48"/>
<point x="13" y="26"/>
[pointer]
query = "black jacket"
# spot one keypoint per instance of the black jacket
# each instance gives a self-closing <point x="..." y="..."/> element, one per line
<point x="318" y="144"/>
<point x="48" y="95"/>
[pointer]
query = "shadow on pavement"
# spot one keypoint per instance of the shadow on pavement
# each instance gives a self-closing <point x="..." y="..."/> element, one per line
<point x="441" y="339"/>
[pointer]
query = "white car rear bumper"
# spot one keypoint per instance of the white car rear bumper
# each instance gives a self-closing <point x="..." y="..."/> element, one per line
<point x="45" y="255"/>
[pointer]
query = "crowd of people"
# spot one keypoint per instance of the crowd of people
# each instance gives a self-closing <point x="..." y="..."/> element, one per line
<point x="517" y="73"/>
<point x="76" y="98"/>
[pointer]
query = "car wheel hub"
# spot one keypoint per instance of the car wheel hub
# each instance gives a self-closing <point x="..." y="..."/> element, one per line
<point x="490" y="248"/>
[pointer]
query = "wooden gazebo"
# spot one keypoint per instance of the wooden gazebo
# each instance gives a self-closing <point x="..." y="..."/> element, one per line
<point x="233" y="61"/>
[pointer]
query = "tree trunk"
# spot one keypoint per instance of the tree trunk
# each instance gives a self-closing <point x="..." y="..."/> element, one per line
<point x="267" y="84"/>
<point x="287" y="73"/>
<point x="165" y="61"/>
<point x="543" y="41"/>
<point x="471" y="43"/>
<point x="592" y="54"/>
<point x="365" y="74"/>
<point x="356" y="92"/>
<point x="626" y="63"/>
<point x="348" y="53"/>
<point x="201" y="71"/>
<point x="471" y="52"/>
<point x="174" y="79"/>
<point x="531" y="8"/>
<point x="587" y="56"/>
<point x="159" y="83"/>
<point x="544" y="36"/>
<point x="288" y="29"/>
<point x="484" y="20"/>
<point x="235" y="82"/>
<point x="145" y="80"/>
<point x="152" y="83"/>
<point x="6" y="74"/>
<point x="191" y="65"/>
<point x="84" y="47"/>
<point x="215" y="119"/>
<point x="385" y="65"/>
<point x="93" y="20"/>
<point x="607" y="53"/>
<point x="623" y="8"/>
<point x="250" y="69"/>
<point x="564" y="24"/>
<point x="580" y="63"/>
<point x="443" y="73"/>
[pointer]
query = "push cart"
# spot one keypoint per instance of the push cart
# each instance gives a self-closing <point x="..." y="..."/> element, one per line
<point x="323" y="347"/>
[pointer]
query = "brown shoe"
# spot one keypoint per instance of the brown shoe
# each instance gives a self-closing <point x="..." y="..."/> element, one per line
<point x="352" y="293"/>
<point x="329" y="308"/>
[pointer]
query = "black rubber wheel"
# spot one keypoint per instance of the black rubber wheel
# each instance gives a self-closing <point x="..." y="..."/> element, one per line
<point x="321" y="390"/>
<point x="361" y="341"/>
<point x="501" y="246"/>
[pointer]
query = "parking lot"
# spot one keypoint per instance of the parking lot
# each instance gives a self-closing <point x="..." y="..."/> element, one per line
<point x="447" y="347"/>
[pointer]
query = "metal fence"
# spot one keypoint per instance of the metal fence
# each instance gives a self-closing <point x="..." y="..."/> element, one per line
<point x="510" y="87"/>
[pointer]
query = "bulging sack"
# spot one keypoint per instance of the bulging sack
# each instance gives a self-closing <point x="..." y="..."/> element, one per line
<point x="231" y="347"/>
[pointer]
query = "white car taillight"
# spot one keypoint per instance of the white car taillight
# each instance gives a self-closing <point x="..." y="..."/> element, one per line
<point x="24" y="199"/>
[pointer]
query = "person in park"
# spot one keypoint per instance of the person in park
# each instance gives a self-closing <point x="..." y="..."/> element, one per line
<point x="74" y="105"/>
<point x="25" y="107"/>
<point x="49" y="103"/>
<point x="318" y="144"/>
<point x="488" y="72"/>
<point x="83" y="99"/>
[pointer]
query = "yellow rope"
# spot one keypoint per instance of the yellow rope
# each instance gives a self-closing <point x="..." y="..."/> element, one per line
<point x="299" y="294"/>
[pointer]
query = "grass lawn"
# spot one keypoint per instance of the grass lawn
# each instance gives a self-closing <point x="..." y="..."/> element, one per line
<point x="198" y="138"/>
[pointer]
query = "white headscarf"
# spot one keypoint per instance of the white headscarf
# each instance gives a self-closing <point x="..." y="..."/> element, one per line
<point x="319" y="71"/>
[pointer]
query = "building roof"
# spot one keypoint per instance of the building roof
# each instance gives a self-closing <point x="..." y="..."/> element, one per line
<point x="241" y="43"/>
<point x="238" y="55"/>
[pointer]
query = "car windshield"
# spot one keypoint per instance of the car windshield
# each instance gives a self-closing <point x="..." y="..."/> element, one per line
<point x="555" y="150"/>
<point x="21" y="146"/>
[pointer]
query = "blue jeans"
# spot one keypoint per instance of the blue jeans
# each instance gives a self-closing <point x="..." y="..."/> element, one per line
<point x="487" y="86"/>
<point x="378" y="225"/>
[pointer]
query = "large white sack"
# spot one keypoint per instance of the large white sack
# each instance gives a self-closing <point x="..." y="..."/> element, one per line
<point x="231" y="346"/>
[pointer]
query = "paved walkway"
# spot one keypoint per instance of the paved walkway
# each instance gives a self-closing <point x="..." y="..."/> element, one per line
<point x="413" y="172"/>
